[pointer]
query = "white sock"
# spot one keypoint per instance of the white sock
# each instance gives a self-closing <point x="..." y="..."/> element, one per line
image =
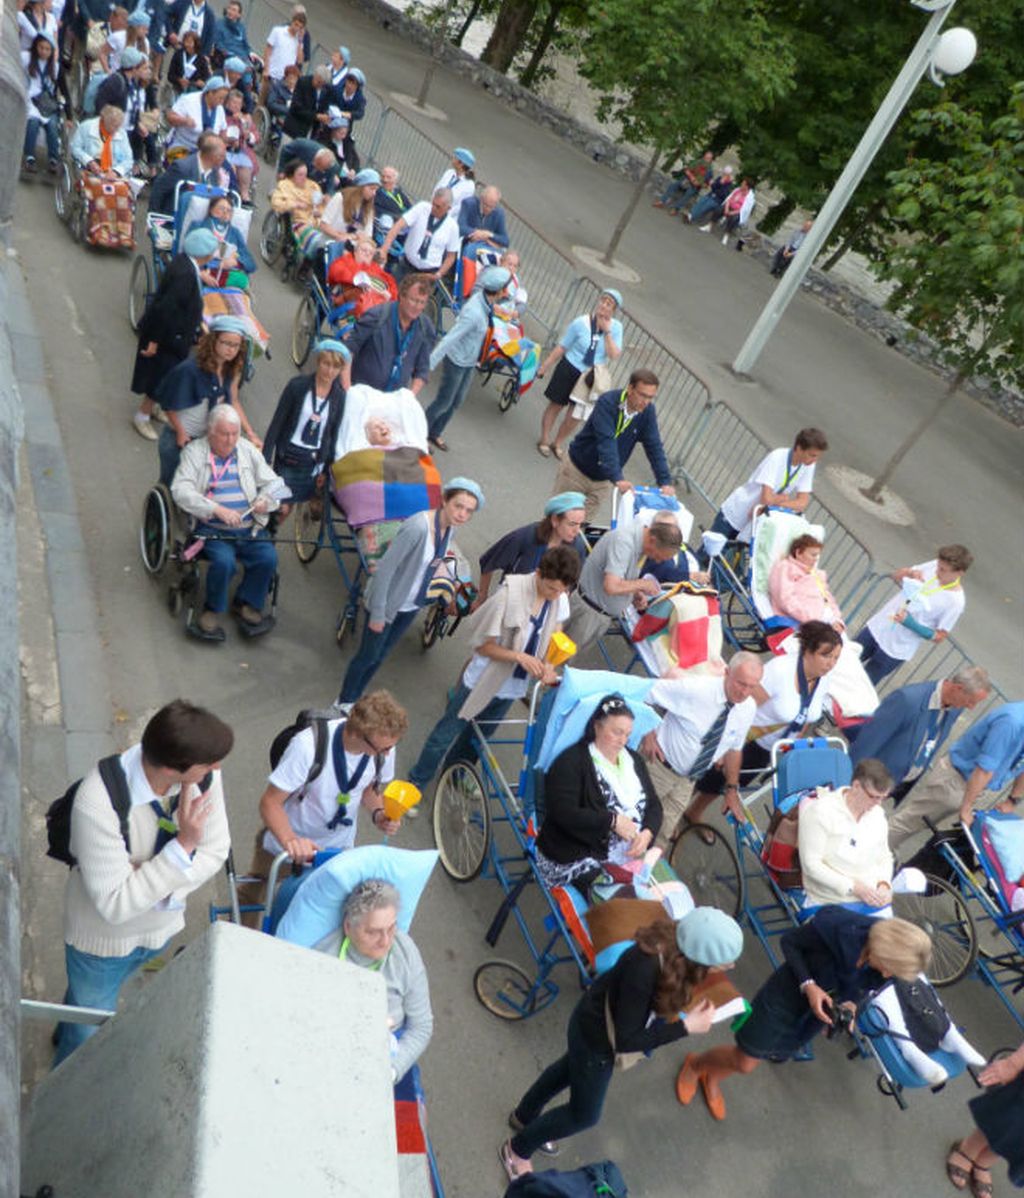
<point x="141" y="417"/>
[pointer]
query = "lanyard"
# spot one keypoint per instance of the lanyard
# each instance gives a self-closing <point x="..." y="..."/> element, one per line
<point x="345" y="784"/>
<point x="215" y="474"/>
<point x="791" y="472"/>
<point x="806" y="690"/>
<point x="949" y="586"/>
<point x="595" y="337"/>
<point x="533" y="640"/>
<point x="396" y="198"/>
<point x="402" y="342"/>
<point x="626" y="418"/>
<point x="346" y="944"/>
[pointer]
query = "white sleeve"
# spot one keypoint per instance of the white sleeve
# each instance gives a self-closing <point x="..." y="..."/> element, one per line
<point x="770" y="468"/>
<point x="292" y="770"/>
<point x="805" y="480"/>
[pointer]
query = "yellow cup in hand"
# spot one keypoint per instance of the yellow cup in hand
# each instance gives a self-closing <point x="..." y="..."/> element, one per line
<point x="400" y="797"/>
<point x="560" y="649"/>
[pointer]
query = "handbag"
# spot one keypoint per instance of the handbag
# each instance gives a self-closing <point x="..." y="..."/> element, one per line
<point x="780" y="853"/>
<point x="591" y="383"/>
<point x="95" y="40"/>
<point x="46" y="104"/>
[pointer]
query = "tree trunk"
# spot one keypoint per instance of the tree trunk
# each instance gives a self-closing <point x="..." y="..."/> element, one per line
<point x="471" y="16"/>
<point x="624" y="219"/>
<point x="510" y="26"/>
<point x="546" y="34"/>
<point x="435" y="52"/>
<point x="775" y="215"/>
<point x="850" y="240"/>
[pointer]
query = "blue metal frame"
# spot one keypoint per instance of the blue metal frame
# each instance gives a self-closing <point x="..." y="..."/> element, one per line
<point x="335" y="531"/>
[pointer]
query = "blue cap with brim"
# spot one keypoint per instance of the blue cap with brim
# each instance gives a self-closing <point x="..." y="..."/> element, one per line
<point x="330" y="345"/>
<point x="458" y="483"/>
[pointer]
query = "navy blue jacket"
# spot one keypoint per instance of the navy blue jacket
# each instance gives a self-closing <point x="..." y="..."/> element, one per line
<point x="897" y="731"/>
<point x="176" y="14"/>
<point x="599" y="454"/>
<point x="827" y="950"/>
<point x="354" y="106"/>
<point x="286" y="418"/>
<point x="374" y="349"/>
<point x="471" y="219"/>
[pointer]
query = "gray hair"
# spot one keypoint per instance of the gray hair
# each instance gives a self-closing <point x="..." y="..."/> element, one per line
<point x="372" y="895"/>
<point x="744" y="658"/>
<point x="323" y="74"/>
<point x="974" y="679"/>
<point x="222" y="413"/>
<point x="443" y="193"/>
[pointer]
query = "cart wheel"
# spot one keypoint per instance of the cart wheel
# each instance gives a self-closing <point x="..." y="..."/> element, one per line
<point x="741" y="627"/>
<point x="307" y="533"/>
<point x="508" y="395"/>
<point x="155" y="531"/>
<point x="79" y="219"/>
<point x="304" y="329"/>
<point x="943" y="913"/>
<point x="345" y="625"/>
<point x="271" y="238"/>
<point x="261" y="122"/>
<point x="62" y="192"/>
<point x="504" y="989"/>
<point x="710" y="870"/>
<point x="462" y="822"/>
<point x="175" y="601"/>
<point x="138" y="291"/>
<point x="434" y="626"/>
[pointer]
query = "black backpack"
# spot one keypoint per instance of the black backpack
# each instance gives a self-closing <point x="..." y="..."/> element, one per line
<point x="600" y="1180"/>
<point x="923" y="1012"/>
<point x="58" y="815"/>
<point x="316" y="718"/>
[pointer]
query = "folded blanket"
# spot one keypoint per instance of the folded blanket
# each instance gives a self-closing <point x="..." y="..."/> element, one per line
<point x="230" y="301"/>
<point x="371" y="485"/>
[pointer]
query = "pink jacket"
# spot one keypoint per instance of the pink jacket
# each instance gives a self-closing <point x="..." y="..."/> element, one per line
<point x="801" y="595"/>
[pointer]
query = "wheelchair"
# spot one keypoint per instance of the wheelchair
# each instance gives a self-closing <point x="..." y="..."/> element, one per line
<point x="69" y="198"/>
<point x="277" y="245"/>
<point x="170" y="552"/>
<point x="318" y="315"/>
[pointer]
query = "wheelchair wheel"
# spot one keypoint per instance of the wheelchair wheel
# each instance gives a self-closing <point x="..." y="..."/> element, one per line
<point x="155" y="530"/>
<point x="435" y="311"/>
<point x="78" y="220"/>
<point x="505" y="990"/>
<point x="434" y="626"/>
<point x="741" y="628"/>
<point x="508" y="395"/>
<point x="346" y="624"/>
<point x="271" y="238"/>
<point x="304" y="329"/>
<point x="175" y="601"/>
<point x="63" y="192"/>
<point x="307" y="532"/>
<point x="139" y="291"/>
<point x="462" y="822"/>
<point x="943" y="913"/>
<point x="710" y="870"/>
<point x="261" y="122"/>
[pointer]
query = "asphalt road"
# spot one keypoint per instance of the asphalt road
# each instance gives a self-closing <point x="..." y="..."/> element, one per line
<point x="702" y="300"/>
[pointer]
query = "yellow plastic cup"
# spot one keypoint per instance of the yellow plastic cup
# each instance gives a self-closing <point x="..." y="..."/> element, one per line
<point x="400" y="797"/>
<point x="560" y="649"/>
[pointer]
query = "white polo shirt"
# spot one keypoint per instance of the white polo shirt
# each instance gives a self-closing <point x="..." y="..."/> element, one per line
<point x="445" y="238"/>
<point x="774" y="471"/>
<point x="310" y="814"/>
<point x="191" y="104"/>
<point x="284" y="50"/>
<point x="691" y="707"/>
<point x="783" y="703"/>
<point x="935" y="606"/>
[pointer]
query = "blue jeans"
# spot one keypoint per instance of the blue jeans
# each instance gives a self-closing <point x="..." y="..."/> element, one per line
<point x="705" y="206"/>
<point x="373" y="648"/>
<point x="678" y="192"/>
<point x="876" y="662"/>
<point x="719" y="524"/>
<point x="452" y="737"/>
<point x="94" y="982"/>
<point x="585" y="1073"/>
<point x="455" y="382"/>
<point x="169" y="454"/>
<point x="258" y="559"/>
<point x="51" y="128"/>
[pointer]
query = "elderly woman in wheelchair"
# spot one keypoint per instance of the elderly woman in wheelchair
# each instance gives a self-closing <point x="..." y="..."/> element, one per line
<point x="227" y="486"/>
<point x="799" y="590"/>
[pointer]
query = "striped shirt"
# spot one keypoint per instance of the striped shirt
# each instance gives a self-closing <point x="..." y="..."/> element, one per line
<point x="225" y="489"/>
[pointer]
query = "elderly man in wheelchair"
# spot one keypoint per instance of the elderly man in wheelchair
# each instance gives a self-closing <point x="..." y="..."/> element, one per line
<point x="227" y="486"/>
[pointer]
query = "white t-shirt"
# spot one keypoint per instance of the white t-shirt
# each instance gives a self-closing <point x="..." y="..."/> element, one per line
<point x="116" y="43"/>
<point x="513" y="688"/>
<point x="934" y="606"/>
<point x="691" y="707"/>
<point x="284" y="50"/>
<point x="460" y="187"/>
<point x="774" y="471"/>
<point x="783" y="703"/>
<point x="310" y="815"/>
<point x="192" y="21"/>
<point x="191" y="104"/>
<point x="444" y="240"/>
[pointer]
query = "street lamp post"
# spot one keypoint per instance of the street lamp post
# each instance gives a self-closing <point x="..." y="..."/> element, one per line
<point x="937" y="53"/>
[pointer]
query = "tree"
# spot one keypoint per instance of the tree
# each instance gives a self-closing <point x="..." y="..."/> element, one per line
<point x="669" y="73"/>
<point x="959" y="267"/>
<point x="509" y="33"/>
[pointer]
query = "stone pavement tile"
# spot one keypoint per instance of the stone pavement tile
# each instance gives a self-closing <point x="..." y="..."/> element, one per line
<point x="71" y="594"/>
<point x="50" y="481"/>
<point x="41" y="426"/>
<point x="84" y="749"/>
<point x="82" y="673"/>
<point x="64" y="533"/>
<point x="29" y="364"/>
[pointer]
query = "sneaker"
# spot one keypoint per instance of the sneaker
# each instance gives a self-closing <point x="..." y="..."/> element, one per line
<point x="158" y="414"/>
<point x="514" y="1166"/>
<point x="29" y="166"/>
<point x="739" y="246"/>
<point x="549" y="1147"/>
<point x="144" y="427"/>
<point x="705" y="228"/>
<point x="52" y="166"/>
<point x="725" y="239"/>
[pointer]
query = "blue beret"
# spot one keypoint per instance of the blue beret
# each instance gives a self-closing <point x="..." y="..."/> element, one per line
<point x="466" y="157"/>
<point x="365" y="177"/>
<point x="214" y="83"/>
<point x="615" y="295"/>
<point x="565" y="502"/>
<point x="494" y="278"/>
<point x="458" y="483"/>
<point x="330" y="345"/>
<point x="228" y="324"/>
<point x="236" y="64"/>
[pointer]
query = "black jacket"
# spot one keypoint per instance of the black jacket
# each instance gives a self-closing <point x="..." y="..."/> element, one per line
<point x="577" y="819"/>
<point x="161" y="196"/>
<point x="286" y="417"/>
<point x="306" y="105"/>
<point x="113" y="90"/>
<point x="174" y="314"/>
<point x="176" y="14"/>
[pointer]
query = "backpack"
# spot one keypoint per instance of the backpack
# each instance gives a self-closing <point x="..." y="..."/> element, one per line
<point x="600" y="1180"/>
<point x="316" y="718"/>
<point x="58" y="815"/>
<point x="923" y="1013"/>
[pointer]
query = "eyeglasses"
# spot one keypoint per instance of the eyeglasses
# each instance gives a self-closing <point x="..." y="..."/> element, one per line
<point x="377" y="750"/>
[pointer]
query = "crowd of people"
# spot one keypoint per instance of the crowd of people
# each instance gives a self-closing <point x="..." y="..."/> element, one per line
<point x="605" y="800"/>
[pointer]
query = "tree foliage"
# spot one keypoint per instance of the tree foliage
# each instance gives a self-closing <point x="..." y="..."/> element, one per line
<point x="959" y="267"/>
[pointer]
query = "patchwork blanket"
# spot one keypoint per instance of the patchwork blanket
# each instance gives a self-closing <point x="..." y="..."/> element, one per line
<point x="371" y="485"/>
<point x="231" y="301"/>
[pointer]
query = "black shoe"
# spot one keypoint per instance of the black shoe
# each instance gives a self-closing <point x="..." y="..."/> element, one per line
<point x="549" y="1147"/>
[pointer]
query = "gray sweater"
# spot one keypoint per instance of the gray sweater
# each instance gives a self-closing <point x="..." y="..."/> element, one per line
<point x="400" y="569"/>
<point x="408" y="994"/>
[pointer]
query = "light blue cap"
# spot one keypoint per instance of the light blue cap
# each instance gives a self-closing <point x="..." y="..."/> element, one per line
<point x="228" y="324"/>
<point x="458" y="483"/>
<point x="707" y="936"/>
<point x="466" y="157"/>
<point x="333" y="346"/>
<point x="365" y="177"/>
<point x="336" y="119"/>
<point x="238" y="65"/>
<point x="140" y="19"/>
<point x="131" y="58"/>
<point x="200" y="243"/>
<point x="214" y="83"/>
<point x="615" y="295"/>
<point x="564" y="502"/>
<point x="356" y="74"/>
<point x="346" y="54"/>
<point x="494" y="278"/>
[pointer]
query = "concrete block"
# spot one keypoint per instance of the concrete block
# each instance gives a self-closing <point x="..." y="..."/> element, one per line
<point x="81" y="752"/>
<point x="48" y="470"/>
<point x="70" y="590"/>
<point x="246" y="1066"/>
<point x="82" y="671"/>
<point x="40" y="422"/>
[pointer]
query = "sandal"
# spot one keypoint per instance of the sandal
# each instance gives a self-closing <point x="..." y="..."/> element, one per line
<point x="543" y="450"/>
<point x="958" y="1177"/>
<point x="980" y="1187"/>
<point x="558" y="451"/>
<point x="508" y="1161"/>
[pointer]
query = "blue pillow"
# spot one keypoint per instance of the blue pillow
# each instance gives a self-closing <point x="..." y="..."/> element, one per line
<point x="315" y="910"/>
<point x="1007" y="835"/>
<point x="578" y="694"/>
